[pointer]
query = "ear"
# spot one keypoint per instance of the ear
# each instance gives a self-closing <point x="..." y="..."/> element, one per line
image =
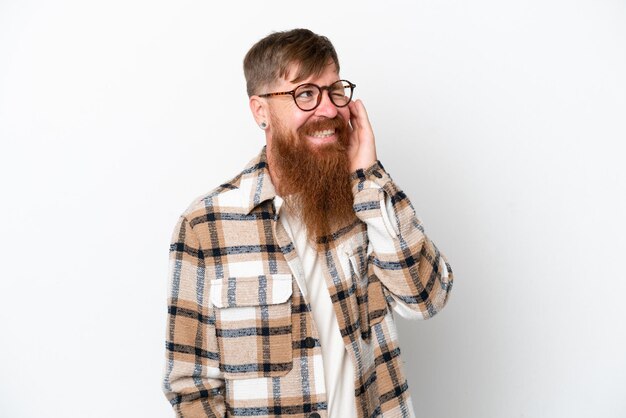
<point x="259" y="110"/>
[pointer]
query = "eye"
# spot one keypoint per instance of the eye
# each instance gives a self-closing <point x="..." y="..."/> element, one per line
<point x="338" y="90"/>
<point x="305" y="94"/>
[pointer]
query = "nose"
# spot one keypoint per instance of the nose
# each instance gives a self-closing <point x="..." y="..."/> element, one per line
<point x="326" y="107"/>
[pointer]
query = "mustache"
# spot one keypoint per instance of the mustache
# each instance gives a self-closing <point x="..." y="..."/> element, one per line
<point x="338" y="124"/>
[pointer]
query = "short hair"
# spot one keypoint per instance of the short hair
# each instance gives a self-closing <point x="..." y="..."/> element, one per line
<point x="272" y="57"/>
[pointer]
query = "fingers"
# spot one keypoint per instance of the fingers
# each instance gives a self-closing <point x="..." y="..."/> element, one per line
<point x="363" y="148"/>
<point x="358" y="115"/>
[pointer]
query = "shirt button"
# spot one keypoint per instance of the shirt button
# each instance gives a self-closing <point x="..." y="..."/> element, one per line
<point x="314" y="415"/>
<point x="309" y="342"/>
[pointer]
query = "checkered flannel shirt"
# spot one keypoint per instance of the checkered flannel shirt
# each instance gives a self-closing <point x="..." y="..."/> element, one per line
<point x="241" y="340"/>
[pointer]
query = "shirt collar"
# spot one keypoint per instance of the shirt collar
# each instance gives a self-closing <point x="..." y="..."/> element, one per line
<point x="255" y="182"/>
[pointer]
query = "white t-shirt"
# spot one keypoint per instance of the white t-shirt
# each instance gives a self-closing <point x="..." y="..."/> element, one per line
<point x="338" y="368"/>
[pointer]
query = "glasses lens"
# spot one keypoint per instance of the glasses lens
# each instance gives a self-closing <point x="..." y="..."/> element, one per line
<point x="340" y="93"/>
<point x="306" y="96"/>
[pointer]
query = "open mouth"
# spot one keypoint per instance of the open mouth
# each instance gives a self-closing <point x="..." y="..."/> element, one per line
<point x="323" y="134"/>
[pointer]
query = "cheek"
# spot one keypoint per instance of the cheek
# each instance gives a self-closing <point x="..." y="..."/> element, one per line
<point x="299" y="120"/>
<point x="289" y="116"/>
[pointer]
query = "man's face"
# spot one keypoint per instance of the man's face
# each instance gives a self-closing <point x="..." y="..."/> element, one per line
<point x="308" y="152"/>
<point x="288" y="118"/>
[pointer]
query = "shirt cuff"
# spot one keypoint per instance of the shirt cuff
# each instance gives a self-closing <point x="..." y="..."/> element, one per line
<point x="371" y="188"/>
<point x="373" y="176"/>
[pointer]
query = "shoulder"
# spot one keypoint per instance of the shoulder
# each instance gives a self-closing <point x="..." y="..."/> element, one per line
<point x="227" y="195"/>
<point x="232" y="196"/>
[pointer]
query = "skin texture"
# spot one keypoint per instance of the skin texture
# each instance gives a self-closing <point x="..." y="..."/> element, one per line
<point x="362" y="149"/>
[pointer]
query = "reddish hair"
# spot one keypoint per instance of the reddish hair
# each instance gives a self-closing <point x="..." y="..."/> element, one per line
<point x="272" y="57"/>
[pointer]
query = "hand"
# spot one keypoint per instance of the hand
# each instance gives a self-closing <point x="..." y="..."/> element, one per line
<point x="362" y="149"/>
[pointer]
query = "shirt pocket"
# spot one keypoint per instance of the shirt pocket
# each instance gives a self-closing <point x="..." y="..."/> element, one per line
<point x="370" y="291"/>
<point x="253" y="325"/>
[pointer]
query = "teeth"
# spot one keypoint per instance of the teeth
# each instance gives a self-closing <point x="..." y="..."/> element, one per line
<point x="323" y="134"/>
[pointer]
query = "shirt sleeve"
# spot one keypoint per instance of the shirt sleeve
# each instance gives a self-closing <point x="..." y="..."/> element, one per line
<point x="415" y="274"/>
<point x="193" y="383"/>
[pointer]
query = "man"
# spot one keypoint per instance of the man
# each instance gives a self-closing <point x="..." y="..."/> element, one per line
<point x="283" y="280"/>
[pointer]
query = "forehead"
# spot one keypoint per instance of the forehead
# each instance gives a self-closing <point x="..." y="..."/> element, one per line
<point x="327" y="76"/>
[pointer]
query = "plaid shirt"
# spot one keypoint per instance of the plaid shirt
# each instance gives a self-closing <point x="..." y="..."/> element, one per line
<point x="241" y="340"/>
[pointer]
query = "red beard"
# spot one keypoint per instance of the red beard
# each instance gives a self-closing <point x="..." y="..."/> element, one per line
<point x="315" y="179"/>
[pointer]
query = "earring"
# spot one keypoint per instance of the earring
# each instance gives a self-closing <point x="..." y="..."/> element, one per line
<point x="263" y="125"/>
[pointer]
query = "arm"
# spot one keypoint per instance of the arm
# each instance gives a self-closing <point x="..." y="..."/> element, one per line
<point x="193" y="382"/>
<point x="409" y="265"/>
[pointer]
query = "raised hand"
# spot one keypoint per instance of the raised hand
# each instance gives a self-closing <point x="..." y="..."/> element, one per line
<point x="362" y="149"/>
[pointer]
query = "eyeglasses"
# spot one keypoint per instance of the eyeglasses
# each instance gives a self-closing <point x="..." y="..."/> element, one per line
<point x="308" y="96"/>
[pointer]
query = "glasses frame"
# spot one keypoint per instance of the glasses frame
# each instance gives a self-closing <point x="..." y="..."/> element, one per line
<point x="292" y="93"/>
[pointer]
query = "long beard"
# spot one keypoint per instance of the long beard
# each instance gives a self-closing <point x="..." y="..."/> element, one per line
<point x="315" y="179"/>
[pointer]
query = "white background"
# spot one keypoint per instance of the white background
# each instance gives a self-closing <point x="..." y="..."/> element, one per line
<point x="504" y="122"/>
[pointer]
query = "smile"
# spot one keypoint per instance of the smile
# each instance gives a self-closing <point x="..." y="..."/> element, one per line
<point x="323" y="134"/>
